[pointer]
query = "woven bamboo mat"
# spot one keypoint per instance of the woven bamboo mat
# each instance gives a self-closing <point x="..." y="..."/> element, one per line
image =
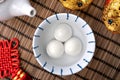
<point x="105" y="64"/>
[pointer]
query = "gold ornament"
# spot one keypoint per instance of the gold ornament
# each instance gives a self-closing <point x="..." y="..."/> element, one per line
<point x="75" y="4"/>
<point x="111" y="15"/>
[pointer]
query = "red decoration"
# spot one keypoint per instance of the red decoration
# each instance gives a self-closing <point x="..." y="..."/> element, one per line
<point x="20" y="75"/>
<point x="107" y="2"/>
<point x="9" y="60"/>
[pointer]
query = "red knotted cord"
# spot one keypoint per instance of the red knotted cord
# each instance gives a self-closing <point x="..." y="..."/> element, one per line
<point x="9" y="58"/>
<point x="9" y="61"/>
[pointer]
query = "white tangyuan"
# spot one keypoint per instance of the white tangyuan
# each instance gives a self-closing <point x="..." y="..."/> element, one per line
<point x="63" y="32"/>
<point x="55" y="49"/>
<point x="73" y="46"/>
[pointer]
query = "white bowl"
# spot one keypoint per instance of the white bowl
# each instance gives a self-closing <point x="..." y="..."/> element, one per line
<point x="65" y="65"/>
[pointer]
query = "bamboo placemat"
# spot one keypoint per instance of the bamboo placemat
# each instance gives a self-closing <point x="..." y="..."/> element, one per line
<point x="105" y="64"/>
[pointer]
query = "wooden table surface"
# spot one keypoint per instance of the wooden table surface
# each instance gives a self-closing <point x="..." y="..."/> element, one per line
<point x="105" y="64"/>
